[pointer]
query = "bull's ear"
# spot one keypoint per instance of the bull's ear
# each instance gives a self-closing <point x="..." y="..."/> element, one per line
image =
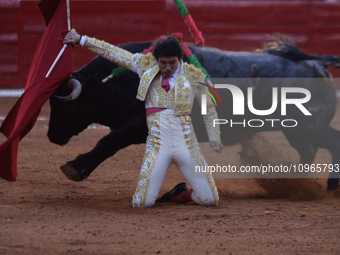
<point x="90" y="86"/>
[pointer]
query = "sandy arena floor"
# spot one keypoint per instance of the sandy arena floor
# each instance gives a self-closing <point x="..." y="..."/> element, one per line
<point x="45" y="213"/>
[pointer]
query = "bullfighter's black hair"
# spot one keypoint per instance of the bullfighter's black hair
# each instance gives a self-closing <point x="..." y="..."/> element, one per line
<point x="168" y="47"/>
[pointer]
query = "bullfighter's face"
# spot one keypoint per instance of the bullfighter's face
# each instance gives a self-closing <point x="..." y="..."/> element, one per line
<point x="168" y="65"/>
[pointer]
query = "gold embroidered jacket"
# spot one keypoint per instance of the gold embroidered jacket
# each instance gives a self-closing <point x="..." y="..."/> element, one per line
<point x="180" y="97"/>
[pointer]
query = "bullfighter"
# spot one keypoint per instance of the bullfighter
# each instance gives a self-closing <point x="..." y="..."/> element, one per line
<point x="168" y="86"/>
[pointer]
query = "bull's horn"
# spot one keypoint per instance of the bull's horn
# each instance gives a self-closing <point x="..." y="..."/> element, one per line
<point x="75" y="86"/>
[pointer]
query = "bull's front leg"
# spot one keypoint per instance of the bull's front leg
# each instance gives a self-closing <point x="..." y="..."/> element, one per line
<point x="132" y="132"/>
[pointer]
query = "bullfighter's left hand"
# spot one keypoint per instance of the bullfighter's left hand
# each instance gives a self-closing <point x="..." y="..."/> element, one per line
<point x="217" y="146"/>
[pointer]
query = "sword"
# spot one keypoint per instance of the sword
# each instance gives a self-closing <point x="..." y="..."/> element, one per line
<point x="65" y="45"/>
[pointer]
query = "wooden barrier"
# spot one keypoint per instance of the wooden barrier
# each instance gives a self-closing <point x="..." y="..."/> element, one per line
<point x="9" y="47"/>
<point x="314" y="26"/>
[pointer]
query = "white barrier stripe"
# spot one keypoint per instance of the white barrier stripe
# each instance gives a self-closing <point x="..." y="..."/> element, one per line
<point x="39" y="118"/>
<point x="92" y="126"/>
<point x="11" y="92"/>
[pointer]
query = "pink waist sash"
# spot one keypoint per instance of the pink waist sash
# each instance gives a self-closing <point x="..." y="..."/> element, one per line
<point x="153" y="110"/>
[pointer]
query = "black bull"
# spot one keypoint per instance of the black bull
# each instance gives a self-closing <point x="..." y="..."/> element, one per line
<point x="114" y="104"/>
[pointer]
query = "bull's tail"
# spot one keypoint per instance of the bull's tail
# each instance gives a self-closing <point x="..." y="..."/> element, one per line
<point x="283" y="47"/>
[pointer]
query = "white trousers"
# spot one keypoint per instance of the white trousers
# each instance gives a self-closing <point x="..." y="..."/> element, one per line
<point x="172" y="139"/>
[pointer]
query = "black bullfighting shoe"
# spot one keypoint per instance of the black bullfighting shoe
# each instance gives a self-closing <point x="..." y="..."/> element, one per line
<point x="179" y="188"/>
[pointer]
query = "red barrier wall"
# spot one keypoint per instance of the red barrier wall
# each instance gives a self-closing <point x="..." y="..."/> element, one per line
<point x="314" y="26"/>
<point x="9" y="46"/>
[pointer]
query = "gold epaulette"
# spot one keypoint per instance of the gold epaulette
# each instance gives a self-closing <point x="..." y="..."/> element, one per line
<point x="194" y="74"/>
<point x="147" y="61"/>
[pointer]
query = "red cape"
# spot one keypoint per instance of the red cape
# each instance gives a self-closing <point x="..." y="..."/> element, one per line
<point x="38" y="89"/>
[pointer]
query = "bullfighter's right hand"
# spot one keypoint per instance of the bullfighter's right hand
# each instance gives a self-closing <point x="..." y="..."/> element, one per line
<point x="72" y="37"/>
<point x="217" y="146"/>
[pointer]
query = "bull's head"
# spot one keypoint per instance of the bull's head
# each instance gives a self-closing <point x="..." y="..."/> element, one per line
<point x="68" y="112"/>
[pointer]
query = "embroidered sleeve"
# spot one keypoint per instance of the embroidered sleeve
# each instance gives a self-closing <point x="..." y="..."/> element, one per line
<point x="194" y="74"/>
<point x="214" y="133"/>
<point x="115" y="54"/>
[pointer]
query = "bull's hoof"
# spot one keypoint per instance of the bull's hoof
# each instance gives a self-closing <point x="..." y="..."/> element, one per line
<point x="333" y="187"/>
<point x="73" y="174"/>
<point x="334" y="192"/>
